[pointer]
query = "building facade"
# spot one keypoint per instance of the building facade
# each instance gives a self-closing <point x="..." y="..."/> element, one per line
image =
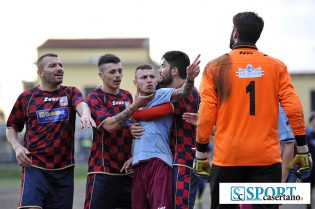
<point x="80" y="58"/>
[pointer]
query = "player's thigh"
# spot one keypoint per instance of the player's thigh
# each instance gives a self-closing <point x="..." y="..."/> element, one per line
<point x="124" y="196"/>
<point x="220" y="174"/>
<point x="105" y="191"/>
<point x="62" y="186"/>
<point x="34" y="188"/>
<point x="185" y="184"/>
<point x="261" y="174"/>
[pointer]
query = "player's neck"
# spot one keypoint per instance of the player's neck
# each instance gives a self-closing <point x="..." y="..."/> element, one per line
<point x="177" y="83"/>
<point x="109" y="90"/>
<point x="49" y="88"/>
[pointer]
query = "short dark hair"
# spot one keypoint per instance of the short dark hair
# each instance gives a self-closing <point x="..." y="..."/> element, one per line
<point x="108" y="58"/>
<point x="178" y="59"/>
<point x="143" y="67"/>
<point x="40" y="64"/>
<point x="249" y="26"/>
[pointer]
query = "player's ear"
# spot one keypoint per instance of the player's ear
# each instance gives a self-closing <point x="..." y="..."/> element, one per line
<point x="40" y="72"/>
<point x="235" y="33"/>
<point x="100" y="74"/>
<point x="174" y="71"/>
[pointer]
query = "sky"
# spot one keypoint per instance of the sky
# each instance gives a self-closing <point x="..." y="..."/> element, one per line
<point x="195" y="27"/>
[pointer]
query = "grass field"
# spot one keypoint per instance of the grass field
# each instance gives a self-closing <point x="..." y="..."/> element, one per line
<point x="10" y="180"/>
<point x="11" y="174"/>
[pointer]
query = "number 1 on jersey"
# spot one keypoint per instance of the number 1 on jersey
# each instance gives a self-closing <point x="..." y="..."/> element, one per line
<point x="251" y="90"/>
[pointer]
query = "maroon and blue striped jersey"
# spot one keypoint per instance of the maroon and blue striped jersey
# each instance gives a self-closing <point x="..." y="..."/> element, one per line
<point x="110" y="150"/>
<point x="183" y="134"/>
<point x="49" y="118"/>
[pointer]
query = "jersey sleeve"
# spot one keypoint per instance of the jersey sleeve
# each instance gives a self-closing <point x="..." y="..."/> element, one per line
<point x="76" y="96"/>
<point x="153" y="113"/>
<point x="189" y="103"/>
<point x="208" y="107"/>
<point x="284" y="130"/>
<point x="17" y="116"/>
<point x="98" y="110"/>
<point x="291" y="103"/>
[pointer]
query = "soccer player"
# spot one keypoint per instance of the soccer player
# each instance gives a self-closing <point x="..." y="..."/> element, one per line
<point x="285" y="135"/>
<point x="182" y="138"/>
<point x="48" y="112"/>
<point x="151" y="157"/>
<point x="111" y="108"/>
<point x="239" y="93"/>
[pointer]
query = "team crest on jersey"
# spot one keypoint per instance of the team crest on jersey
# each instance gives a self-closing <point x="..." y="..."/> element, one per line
<point x="63" y="101"/>
<point x="250" y="72"/>
<point x="127" y="104"/>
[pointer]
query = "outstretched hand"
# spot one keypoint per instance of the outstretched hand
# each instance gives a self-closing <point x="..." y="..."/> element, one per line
<point x="86" y="121"/>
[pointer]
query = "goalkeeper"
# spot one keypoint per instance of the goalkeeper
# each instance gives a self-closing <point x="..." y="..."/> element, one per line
<point x="239" y="94"/>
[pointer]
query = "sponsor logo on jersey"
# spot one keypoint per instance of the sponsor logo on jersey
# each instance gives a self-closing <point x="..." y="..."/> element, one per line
<point x="51" y="99"/>
<point x="117" y="103"/>
<point x="53" y="115"/>
<point x="250" y="72"/>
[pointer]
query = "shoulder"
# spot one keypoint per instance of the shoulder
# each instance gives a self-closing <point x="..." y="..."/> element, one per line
<point x="29" y="93"/>
<point x="164" y="90"/>
<point x="97" y="92"/>
<point x="221" y="60"/>
<point x="123" y="91"/>
<point x="195" y="92"/>
<point x="69" y="89"/>
<point x="125" y="94"/>
<point x="272" y="59"/>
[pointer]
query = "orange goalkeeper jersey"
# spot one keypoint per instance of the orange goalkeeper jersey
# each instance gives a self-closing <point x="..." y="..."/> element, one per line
<point x="240" y="92"/>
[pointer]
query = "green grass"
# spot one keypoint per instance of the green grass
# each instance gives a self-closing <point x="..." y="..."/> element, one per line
<point x="10" y="171"/>
<point x="11" y="174"/>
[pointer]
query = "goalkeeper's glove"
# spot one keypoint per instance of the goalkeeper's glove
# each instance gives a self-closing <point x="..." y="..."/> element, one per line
<point x="302" y="162"/>
<point x="202" y="165"/>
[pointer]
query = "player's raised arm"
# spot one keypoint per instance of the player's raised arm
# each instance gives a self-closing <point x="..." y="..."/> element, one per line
<point x="192" y="72"/>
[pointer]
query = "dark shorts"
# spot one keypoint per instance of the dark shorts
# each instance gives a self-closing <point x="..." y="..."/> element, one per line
<point x="46" y="188"/>
<point x="248" y="174"/>
<point x="105" y="191"/>
<point x="152" y="185"/>
<point x="185" y="184"/>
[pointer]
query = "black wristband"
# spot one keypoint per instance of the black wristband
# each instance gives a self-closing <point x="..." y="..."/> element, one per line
<point x="300" y="140"/>
<point x="201" y="147"/>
